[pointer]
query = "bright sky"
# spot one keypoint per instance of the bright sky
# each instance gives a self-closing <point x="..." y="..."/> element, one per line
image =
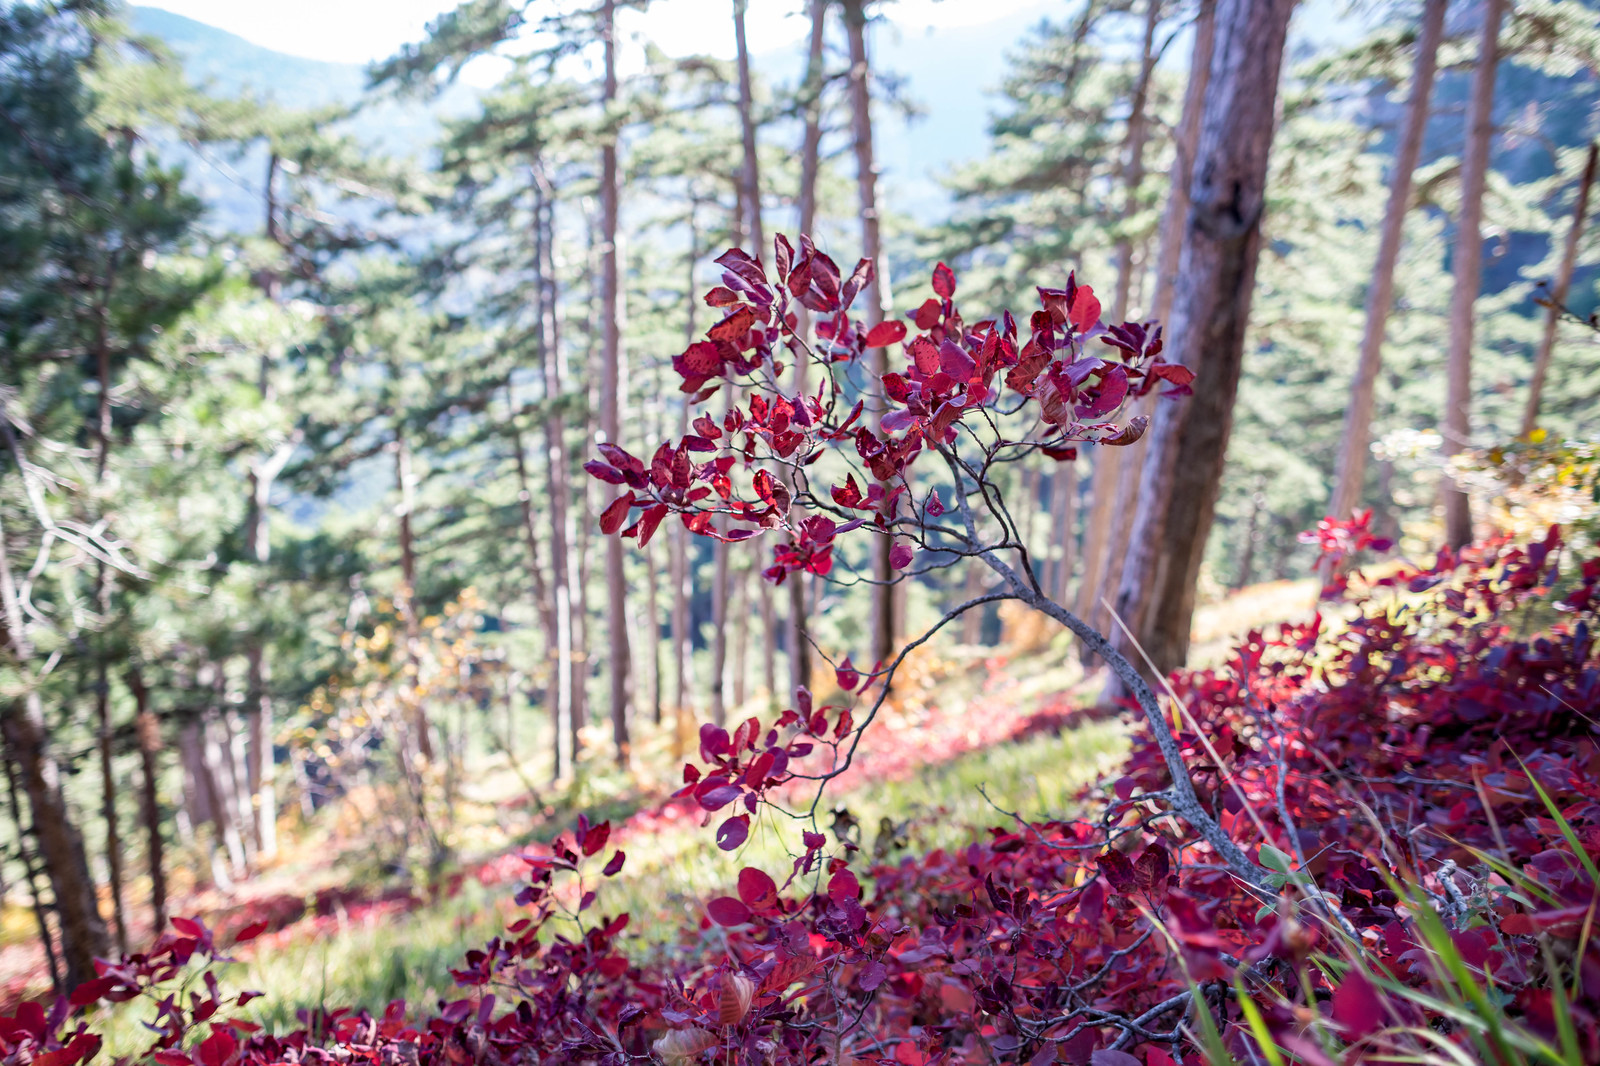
<point x="359" y="31"/>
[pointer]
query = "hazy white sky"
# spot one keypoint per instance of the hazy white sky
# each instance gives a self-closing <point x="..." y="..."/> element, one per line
<point x="358" y="31"/>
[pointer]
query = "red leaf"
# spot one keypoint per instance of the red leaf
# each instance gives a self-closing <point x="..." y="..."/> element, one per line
<point x="900" y="556"/>
<point x="250" y="932"/>
<point x="725" y="910"/>
<point x="649" y="521"/>
<point x="722" y="296"/>
<point x="216" y="1049"/>
<point x="885" y="333"/>
<point x="189" y="927"/>
<point x="944" y="281"/>
<point x="1129" y="433"/>
<point x="1085" y="309"/>
<point x="614" y="867"/>
<point x="611" y="519"/>
<point x="756" y="888"/>
<point x="927" y="315"/>
<point x="596" y="838"/>
<point x="847" y="677"/>
<point x="1356" y="1006"/>
<point x="735" y="326"/>
<point x="734" y="832"/>
<point x="842" y="886"/>
<point x="926" y="355"/>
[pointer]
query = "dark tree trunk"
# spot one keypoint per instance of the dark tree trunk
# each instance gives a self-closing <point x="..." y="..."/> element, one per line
<point x="83" y="931"/>
<point x="30" y="870"/>
<point x="1187" y="444"/>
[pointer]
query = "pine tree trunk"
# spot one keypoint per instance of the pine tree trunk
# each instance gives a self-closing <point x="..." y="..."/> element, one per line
<point x="148" y="728"/>
<point x="566" y="709"/>
<point x="1468" y="271"/>
<point x="799" y="641"/>
<point x="83" y="931"/>
<point x="682" y="585"/>
<point x="261" y="770"/>
<point x="1063" y="526"/>
<point x="1558" y="294"/>
<point x="405" y="601"/>
<point x="1101" y="547"/>
<point x="610" y="389"/>
<point x="1187" y="444"/>
<point x="30" y="872"/>
<point x="883" y="627"/>
<point x="1350" y="474"/>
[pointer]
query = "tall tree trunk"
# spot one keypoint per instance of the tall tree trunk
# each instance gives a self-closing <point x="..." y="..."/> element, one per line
<point x="1173" y="229"/>
<point x="883" y="627"/>
<point x="1110" y="464"/>
<point x="1558" y="294"/>
<point x="751" y="180"/>
<point x="261" y="771"/>
<point x="1468" y="257"/>
<point x="83" y="931"/>
<point x="30" y="872"/>
<point x="682" y="585"/>
<point x="1188" y="442"/>
<point x="543" y="602"/>
<point x="406" y="600"/>
<point x="610" y="387"/>
<point x="1063" y="526"/>
<point x="1350" y="473"/>
<point x="799" y="639"/>
<point x="741" y="637"/>
<point x="22" y="727"/>
<point x="566" y="709"/>
<point x="148" y="728"/>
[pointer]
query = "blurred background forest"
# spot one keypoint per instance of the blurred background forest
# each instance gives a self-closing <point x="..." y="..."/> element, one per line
<point x="307" y="616"/>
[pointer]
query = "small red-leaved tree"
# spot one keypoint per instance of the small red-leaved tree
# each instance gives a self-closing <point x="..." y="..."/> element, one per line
<point x="972" y="397"/>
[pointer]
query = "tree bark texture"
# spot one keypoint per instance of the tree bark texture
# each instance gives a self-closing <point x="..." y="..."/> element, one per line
<point x="1188" y="442"/>
<point x="1112" y="501"/>
<point x="610" y="388"/>
<point x="1558" y="294"/>
<point x="148" y="729"/>
<point x="883" y="627"/>
<point x="1351" y="472"/>
<point x="1468" y="257"/>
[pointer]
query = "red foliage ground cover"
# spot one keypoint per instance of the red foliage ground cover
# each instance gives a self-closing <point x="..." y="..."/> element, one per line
<point x="1411" y="743"/>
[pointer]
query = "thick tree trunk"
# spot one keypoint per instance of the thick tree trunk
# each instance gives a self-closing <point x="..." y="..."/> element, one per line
<point x="1110" y="488"/>
<point x="1351" y="471"/>
<point x="1558" y="293"/>
<point x="30" y="872"/>
<point x="610" y="389"/>
<point x="148" y="728"/>
<point x="83" y="931"/>
<point x="1468" y="271"/>
<point x="1188" y="441"/>
<point x="883" y="625"/>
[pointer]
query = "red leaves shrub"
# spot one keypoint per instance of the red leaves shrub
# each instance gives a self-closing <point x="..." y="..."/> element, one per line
<point x="1418" y="781"/>
<point x="1412" y="742"/>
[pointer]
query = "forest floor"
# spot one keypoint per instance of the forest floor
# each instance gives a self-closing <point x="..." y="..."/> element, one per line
<point x="969" y="735"/>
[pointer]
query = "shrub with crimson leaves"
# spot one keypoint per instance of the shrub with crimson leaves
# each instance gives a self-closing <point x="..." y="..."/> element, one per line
<point x="1366" y="838"/>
